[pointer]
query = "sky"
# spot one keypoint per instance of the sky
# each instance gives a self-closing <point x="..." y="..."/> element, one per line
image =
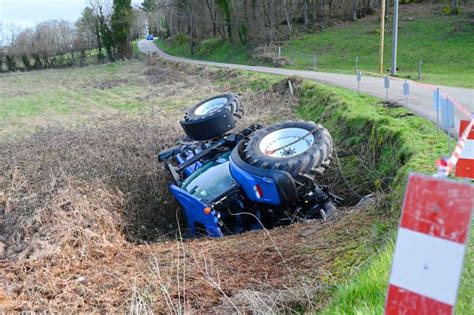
<point x="27" y="13"/>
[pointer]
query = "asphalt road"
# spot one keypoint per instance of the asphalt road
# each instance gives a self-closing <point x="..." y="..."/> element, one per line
<point x="419" y="100"/>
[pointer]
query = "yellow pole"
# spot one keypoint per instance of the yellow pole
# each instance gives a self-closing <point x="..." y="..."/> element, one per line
<point x="382" y="32"/>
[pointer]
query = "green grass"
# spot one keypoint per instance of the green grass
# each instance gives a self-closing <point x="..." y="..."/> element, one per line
<point x="443" y="42"/>
<point x="365" y="293"/>
<point x="68" y="97"/>
<point x="212" y="49"/>
<point x="135" y="51"/>
<point x="397" y="144"/>
<point x="465" y="303"/>
<point x="48" y="97"/>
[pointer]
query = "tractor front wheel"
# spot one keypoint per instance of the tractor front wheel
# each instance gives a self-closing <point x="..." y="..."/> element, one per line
<point x="212" y="117"/>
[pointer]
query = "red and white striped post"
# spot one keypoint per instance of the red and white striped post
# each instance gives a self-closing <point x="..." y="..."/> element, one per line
<point x="429" y="253"/>
<point x="465" y="164"/>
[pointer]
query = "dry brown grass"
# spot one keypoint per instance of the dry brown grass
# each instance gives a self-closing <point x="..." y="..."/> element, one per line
<point x="244" y="272"/>
<point x="87" y="223"/>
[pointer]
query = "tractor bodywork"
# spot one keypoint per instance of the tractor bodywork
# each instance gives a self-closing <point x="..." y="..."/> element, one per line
<point x="222" y="194"/>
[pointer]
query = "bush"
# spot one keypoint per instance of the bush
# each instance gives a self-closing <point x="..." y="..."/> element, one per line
<point x="11" y="63"/>
<point x="208" y="46"/>
<point x="448" y="10"/>
<point x="179" y="39"/>
<point x="26" y="62"/>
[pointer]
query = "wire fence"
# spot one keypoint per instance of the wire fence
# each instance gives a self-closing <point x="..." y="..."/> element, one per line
<point x="299" y="59"/>
<point x="317" y="60"/>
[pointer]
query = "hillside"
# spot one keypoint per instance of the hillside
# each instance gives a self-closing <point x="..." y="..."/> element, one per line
<point x="443" y="42"/>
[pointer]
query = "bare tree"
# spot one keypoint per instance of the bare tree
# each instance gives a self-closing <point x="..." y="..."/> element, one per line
<point x="2" y="45"/>
<point x="139" y="24"/>
<point x="11" y="31"/>
<point x="454" y="6"/>
<point x="2" y="35"/>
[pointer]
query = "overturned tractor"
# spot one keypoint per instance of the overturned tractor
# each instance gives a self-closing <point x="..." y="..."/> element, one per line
<point x="259" y="177"/>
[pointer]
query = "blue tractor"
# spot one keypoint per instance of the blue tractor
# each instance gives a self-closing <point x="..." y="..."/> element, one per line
<point x="230" y="183"/>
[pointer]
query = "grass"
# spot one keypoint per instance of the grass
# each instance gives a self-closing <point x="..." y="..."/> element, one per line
<point x="212" y="49"/>
<point x="72" y="96"/>
<point x="364" y="294"/>
<point x="395" y="143"/>
<point x="399" y="144"/>
<point x="42" y="97"/>
<point x="443" y="42"/>
<point x="135" y="51"/>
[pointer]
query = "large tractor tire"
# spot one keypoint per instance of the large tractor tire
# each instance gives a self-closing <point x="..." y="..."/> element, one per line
<point x="303" y="149"/>
<point x="212" y="117"/>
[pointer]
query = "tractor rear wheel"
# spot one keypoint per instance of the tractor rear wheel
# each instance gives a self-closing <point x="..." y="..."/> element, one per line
<point x="303" y="149"/>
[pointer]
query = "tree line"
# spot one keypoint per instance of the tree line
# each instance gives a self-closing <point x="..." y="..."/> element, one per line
<point x="102" y="33"/>
<point x="244" y="21"/>
<point x="262" y="21"/>
<point x="106" y="27"/>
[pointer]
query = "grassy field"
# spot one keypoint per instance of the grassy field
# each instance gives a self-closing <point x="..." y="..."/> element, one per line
<point x="116" y="118"/>
<point x="69" y="97"/>
<point x="50" y="97"/>
<point x="444" y="43"/>
<point x="212" y="49"/>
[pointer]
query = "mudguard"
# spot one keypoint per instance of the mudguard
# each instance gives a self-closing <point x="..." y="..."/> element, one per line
<point x="262" y="185"/>
<point x="194" y="210"/>
<point x="258" y="189"/>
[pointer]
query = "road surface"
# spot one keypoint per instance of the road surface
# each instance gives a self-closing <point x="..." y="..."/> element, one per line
<point x="419" y="100"/>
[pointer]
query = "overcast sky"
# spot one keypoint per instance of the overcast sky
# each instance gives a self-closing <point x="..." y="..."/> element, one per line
<point x="27" y="13"/>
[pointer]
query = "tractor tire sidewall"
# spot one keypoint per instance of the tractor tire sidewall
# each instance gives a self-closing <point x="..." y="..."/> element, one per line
<point x="210" y="126"/>
<point x="304" y="166"/>
<point x="232" y="104"/>
<point x="214" y="123"/>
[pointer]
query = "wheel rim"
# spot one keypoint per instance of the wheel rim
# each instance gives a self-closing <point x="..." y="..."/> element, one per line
<point x="286" y="142"/>
<point x="210" y="106"/>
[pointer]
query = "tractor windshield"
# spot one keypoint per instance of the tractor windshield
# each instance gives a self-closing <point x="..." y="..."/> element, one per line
<point x="211" y="180"/>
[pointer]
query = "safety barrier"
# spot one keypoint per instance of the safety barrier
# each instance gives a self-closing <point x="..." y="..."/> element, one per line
<point x="445" y="164"/>
<point x="307" y="59"/>
<point x="431" y="242"/>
